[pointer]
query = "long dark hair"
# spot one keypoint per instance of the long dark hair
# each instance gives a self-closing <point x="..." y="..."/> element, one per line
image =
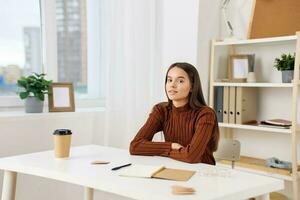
<point x="196" y="99"/>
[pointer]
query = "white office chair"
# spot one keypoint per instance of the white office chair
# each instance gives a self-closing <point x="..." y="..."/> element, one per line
<point x="228" y="149"/>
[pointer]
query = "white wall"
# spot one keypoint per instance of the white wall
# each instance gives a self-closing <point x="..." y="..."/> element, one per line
<point x="179" y="31"/>
<point x="208" y="29"/>
<point x="25" y="134"/>
<point x="186" y="29"/>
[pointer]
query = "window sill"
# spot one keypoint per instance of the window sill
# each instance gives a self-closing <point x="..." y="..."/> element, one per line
<point x="13" y="115"/>
<point x="14" y="103"/>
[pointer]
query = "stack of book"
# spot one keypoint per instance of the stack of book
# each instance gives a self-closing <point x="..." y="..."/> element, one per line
<point x="276" y="123"/>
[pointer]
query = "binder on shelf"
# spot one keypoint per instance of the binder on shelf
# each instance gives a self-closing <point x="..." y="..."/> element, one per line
<point x="245" y="104"/>
<point x="232" y="99"/>
<point x="218" y="102"/>
<point x="226" y="104"/>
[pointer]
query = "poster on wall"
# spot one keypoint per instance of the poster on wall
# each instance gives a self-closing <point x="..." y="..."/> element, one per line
<point x="274" y="18"/>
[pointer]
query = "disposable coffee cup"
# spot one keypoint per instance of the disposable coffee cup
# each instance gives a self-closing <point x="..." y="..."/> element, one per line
<point x="62" y="143"/>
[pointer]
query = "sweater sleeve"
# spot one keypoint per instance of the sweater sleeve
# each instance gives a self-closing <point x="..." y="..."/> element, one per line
<point x="193" y="152"/>
<point x="142" y="143"/>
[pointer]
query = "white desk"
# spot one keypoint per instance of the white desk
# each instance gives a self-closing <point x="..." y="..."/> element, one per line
<point x="215" y="183"/>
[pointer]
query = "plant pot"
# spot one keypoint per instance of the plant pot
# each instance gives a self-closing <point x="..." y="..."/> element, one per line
<point x="287" y="76"/>
<point x="33" y="105"/>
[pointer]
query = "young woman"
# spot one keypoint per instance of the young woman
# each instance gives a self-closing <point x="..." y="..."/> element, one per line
<point x="189" y="126"/>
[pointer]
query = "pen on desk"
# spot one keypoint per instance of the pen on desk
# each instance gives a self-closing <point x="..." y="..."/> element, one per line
<point x="119" y="167"/>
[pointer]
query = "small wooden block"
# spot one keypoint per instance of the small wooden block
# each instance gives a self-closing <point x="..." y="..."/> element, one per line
<point x="181" y="190"/>
<point x="98" y="162"/>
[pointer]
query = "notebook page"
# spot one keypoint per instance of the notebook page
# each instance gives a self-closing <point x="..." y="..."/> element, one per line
<point x="143" y="171"/>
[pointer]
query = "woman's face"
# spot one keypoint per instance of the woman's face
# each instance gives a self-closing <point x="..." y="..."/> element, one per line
<point x="178" y="86"/>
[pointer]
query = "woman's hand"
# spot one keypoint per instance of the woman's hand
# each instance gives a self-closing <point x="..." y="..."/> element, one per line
<point x="176" y="146"/>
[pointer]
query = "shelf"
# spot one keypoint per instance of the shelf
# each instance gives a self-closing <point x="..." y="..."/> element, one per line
<point x="256" y="165"/>
<point x="257" y="41"/>
<point x="254" y="127"/>
<point x="276" y="85"/>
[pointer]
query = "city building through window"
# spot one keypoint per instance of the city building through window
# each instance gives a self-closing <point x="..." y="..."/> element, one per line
<point x="71" y="25"/>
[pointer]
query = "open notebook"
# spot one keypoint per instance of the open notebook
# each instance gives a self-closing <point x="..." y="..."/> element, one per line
<point x="150" y="171"/>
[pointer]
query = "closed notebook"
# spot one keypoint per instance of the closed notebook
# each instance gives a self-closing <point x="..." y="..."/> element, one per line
<point x="161" y="172"/>
<point x="279" y="122"/>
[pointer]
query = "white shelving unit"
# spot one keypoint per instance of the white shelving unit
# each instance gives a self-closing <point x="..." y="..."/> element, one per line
<point x="218" y="72"/>
<point x="256" y="128"/>
<point x="278" y="85"/>
<point x="257" y="41"/>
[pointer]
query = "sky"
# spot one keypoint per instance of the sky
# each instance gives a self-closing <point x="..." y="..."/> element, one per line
<point x="14" y="15"/>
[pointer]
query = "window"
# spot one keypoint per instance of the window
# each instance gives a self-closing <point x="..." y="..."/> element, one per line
<point x="65" y="38"/>
<point x="20" y="42"/>
<point x="72" y="43"/>
<point x="77" y="47"/>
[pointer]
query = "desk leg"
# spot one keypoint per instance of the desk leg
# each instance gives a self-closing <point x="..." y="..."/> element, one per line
<point x="9" y="185"/>
<point x="88" y="193"/>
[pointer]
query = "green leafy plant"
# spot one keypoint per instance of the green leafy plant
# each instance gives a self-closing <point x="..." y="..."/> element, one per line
<point x="286" y="62"/>
<point x="34" y="85"/>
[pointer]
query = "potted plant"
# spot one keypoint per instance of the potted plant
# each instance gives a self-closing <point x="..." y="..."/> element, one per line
<point x="286" y="65"/>
<point x="34" y="88"/>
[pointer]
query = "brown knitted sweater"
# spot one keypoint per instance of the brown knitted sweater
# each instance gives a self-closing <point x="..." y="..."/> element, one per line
<point x="192" y="129"/>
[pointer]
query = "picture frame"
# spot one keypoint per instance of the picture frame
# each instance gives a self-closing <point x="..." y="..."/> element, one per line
<point x="239" y="67"/>
<point x="61" y="97"/>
